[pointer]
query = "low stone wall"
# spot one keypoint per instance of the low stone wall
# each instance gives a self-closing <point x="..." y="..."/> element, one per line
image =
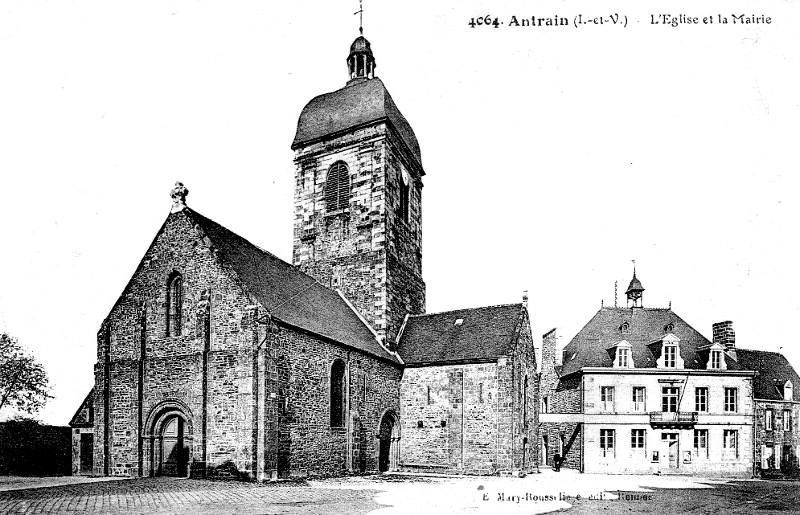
<point x="28" y="448"/>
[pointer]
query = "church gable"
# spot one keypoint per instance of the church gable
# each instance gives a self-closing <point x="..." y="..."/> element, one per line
<point x="180" y="269"/>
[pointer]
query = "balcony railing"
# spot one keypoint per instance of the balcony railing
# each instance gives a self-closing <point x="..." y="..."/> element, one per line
<point x="673" y="418"/>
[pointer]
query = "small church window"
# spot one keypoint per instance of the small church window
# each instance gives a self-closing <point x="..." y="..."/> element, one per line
<point x="404" y="194"/>
<point x="337" y="188"/>
<point x="337" y="393"/>
<point x="174" y="304"/>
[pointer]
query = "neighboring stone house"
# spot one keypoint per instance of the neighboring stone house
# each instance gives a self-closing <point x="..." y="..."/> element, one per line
<point x="777" y="443"/>
<point x="641" y="391"/>
<point x="468" y="394"/>
<point x="219" y="359"/>
<point x="82" y="424"/>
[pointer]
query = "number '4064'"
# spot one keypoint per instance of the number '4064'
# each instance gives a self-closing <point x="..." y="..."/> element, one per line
<point x="484" y="21"/>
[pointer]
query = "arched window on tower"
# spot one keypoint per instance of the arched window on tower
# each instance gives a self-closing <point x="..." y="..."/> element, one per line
<point x="174" y="304"/>
<point x="337" y="188"/>
<point x="337" y="393"/>
<point x="405" y="197"/>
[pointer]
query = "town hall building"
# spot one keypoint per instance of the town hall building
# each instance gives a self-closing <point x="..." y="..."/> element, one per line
<point x="221" y="359"/>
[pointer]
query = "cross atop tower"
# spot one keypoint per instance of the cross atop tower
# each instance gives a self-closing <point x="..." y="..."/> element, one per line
<point x="360" y="14"/>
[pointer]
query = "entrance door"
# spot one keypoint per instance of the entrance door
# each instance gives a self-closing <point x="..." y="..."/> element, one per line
<point x="174" y="453"/>
<point x="672" y="441"/>
<point x="545" y="450"/>
<point x="786" y="457"/>
<point x="87" y="451"/>
<point x="768" y="457"/>
<point x="388" y="447"/>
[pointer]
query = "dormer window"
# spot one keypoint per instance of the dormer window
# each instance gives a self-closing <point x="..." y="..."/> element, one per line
<point x="788" y="391"/>
<point x="670" y="352"/>
<point x="622" y="355"/>
<point x="625" y="327"/>
<point x="669" y="328"/>
<point x="716" y="359"/>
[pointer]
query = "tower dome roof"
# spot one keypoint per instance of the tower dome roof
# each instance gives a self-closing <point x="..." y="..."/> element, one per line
<point x="358" y="104"/>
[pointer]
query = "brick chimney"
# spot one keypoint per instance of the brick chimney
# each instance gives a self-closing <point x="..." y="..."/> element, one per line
<point x="549" y="350"/>
<point x="724" y="335"/>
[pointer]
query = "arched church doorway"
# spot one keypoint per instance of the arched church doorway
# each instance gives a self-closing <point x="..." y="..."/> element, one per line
<point x="388" y="443"/>
<point x="174" y="455"/>
<point x="168" y="440"/>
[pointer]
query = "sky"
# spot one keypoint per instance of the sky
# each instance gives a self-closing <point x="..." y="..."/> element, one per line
<point x="554" y="156"/>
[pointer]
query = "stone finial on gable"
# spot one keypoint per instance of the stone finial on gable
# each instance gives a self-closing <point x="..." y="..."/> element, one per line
<point x="178" y="194"/>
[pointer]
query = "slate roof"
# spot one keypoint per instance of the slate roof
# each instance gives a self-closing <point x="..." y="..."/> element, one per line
<point x="358" y="104"/>
<point x="773" y="370"/>
<point x="590" y="347"/>
<point x="287" y="293"/>
<point x="485" y="334"/>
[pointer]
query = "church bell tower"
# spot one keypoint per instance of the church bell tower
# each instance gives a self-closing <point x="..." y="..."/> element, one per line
<point x="358" y="197"/>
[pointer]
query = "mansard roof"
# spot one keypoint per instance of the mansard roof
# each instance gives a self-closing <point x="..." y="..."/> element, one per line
<point x="773" y="371"/>
<point x="359" y="104"/>
<point x="288" y="294"/>
<point x="641" y="327"/>
<point x="482" y="334"/>
<point x="84" y="417"/>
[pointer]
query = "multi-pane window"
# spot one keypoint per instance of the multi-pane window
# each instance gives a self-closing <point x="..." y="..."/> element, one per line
<point x="607" y="442"/>
<point x="701" y="399"/>
<point x="174" y="304"/>
<point x="730" y="444"/>
<point x="787" y="420"/>
<point x="731" y="400"/>
<point x="716" y="359"/>
<point x="543" y="404"/>
<point x="637" y="438"/>
<point x="337" y="188"/>
<point x="669" y="399"/>
<point x="768" y="414"/>
<point x="624" y="356"/>
<point x="670" y="355"/>
<point x="638" y="398"/>
<point x="701" y="442"/>
<point x="607" y="398"/>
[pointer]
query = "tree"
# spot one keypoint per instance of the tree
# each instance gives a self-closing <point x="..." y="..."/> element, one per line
<point x="23" y="381"/>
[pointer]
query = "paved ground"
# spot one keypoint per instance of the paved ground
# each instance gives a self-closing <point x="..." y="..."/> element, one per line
<point x="392" y="495"/>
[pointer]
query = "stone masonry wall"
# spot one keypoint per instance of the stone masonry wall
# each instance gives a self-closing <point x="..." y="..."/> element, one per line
<point x="310" y="446"/>
<point x="526" y="389"/>
<point x="562" y="438"/>
<point x="777" y="439"/>
<point x="366" y="250"/>
<point x="450" y="416"/>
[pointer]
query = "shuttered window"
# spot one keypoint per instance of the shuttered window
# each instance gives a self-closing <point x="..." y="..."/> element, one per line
<point x="337" y="188"/>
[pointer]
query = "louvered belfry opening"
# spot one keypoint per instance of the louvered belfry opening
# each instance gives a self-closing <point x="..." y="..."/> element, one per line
<point x="337" y="188"/>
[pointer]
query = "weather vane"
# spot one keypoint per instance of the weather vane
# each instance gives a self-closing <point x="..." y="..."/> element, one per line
<point x="360" y="14"/>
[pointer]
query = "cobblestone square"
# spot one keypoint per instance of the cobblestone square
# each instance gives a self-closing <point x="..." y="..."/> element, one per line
<point x="393" y="494"/>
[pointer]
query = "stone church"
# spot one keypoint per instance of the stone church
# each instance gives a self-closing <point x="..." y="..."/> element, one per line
<point x="220" y="359"/>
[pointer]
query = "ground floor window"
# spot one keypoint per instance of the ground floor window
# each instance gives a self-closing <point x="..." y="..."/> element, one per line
<point x="607" y="442"/>
<point x="701" y="443"/>
<point x="730" y="444"/>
